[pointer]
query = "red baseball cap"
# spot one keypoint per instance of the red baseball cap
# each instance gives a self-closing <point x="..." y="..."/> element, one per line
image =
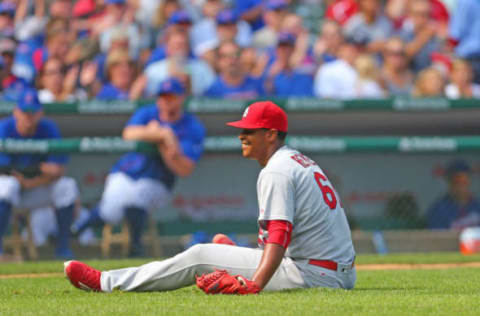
<point x="264" y="114"/>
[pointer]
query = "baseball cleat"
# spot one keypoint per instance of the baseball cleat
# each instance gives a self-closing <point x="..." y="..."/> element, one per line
<point x="222" y="239"/>
<point x="82" y="276"/>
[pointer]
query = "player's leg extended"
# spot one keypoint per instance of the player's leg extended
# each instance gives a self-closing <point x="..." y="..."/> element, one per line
<point x="180" y="271"/>
<point x="9" y="195"/>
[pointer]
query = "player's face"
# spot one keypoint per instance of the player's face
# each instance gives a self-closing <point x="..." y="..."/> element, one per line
<point x="26" y="123"/>
<point x="254" y="143"/>
<point x="460" y="185"/>
<point x="171" y="107"/>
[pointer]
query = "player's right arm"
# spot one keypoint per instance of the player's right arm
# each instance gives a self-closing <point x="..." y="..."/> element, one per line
<point x="152" y="132"/>
<point x="274" y="247"/>
<point x="276" y="203"/>
<point x="271" y="259"/>
<point x="141" y="127"/>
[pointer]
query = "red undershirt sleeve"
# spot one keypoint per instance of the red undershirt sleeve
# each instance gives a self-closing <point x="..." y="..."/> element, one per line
<point x="279" y="232"/>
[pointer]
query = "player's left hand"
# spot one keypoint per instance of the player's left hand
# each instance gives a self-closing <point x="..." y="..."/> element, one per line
<point x="220" y="282"/>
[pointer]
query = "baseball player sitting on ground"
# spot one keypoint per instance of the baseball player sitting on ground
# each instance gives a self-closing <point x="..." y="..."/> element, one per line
<point x="29" y="181"/>
<point x="141" y="183"/>
<point x="304" y="236"/>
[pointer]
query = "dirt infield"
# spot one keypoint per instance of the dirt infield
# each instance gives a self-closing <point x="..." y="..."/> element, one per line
<point x="416" y="266"/>
<point x="361" y="267"/>
<point x="30" y="275"/>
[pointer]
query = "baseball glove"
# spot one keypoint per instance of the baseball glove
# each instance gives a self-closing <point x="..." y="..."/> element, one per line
<point x="220" y="282"/>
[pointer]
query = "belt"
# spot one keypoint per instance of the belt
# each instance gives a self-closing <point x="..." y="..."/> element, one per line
<point x="332" y="265"/>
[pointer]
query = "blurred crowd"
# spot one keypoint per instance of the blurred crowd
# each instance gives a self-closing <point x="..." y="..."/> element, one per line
<point x="122" y="49"/>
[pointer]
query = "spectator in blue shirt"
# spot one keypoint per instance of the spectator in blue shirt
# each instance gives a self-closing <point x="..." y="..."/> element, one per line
<point x="232" y="81"/>
<point x="458" y="208"/>
<point x="229" y="28"/>
<point x="281" y="79"/>
<point x="251" y="11"/>
<point x="179" y="21"/>
<point x="225" y="26"/>
<point x="120" y="74"/>
<point x="35" y="180"/>
<point x="141" y="183"/>
<point x="464" y="31"/>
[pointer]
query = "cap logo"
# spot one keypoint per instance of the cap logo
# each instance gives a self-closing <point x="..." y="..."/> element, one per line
<point x="246" y="112"/>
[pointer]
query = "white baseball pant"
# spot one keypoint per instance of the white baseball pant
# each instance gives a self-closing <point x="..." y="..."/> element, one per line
<point x="121" y="192"/>
<point x="180" y="271"/>
<point x="60" y="193"/>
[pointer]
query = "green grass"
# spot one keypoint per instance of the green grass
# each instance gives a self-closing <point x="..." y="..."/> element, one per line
<point x="412" y="292"/>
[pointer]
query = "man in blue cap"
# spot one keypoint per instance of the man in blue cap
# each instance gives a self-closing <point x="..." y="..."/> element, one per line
<point x="141" y="183"/>
<point x="230" y="28"/>
<point x="218" y="26"/>
<point x="30" y="181"/>
<point x="179" y="21"/>
<point x="282" y="79"/>
<point x="458" y="208"/>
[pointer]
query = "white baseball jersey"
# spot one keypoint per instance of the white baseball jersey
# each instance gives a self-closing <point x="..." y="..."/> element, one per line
<point x="292" y="187"/>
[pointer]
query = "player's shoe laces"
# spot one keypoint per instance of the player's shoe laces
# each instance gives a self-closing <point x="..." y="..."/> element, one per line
<point x="82" y="276"/>
<point x="206" y="280"/>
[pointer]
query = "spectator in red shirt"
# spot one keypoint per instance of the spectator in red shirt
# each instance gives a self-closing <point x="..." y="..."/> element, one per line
<point x="397" y="10"/>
